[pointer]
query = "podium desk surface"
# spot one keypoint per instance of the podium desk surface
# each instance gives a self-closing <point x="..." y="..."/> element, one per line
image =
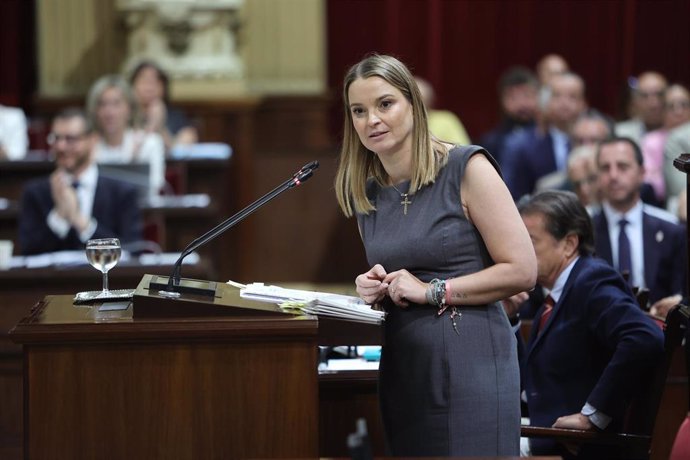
<point x="57" y="319"/>
<point x="21" y="288"/>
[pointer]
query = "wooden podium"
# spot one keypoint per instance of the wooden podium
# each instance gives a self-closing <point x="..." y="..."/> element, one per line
<point x="115" y="385"/>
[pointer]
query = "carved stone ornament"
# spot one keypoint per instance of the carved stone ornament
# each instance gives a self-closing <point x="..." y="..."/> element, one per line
<point x="190" y="39"/>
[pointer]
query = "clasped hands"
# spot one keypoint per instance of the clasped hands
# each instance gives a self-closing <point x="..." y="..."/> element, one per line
<point x="65" y="200"/>
<point x="401" y="286"/>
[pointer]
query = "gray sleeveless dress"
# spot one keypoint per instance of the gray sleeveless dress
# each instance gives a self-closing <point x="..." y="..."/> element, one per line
<point x="441" y="393"/>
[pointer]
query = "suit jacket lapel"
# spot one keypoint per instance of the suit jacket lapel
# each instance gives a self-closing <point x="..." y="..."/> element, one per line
<point x="602" y="239"/>
<point x="650" y="235"/>
<point x="99" y="198"/>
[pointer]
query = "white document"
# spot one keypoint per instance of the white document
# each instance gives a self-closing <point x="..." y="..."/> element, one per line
<point x="314" y="303"/>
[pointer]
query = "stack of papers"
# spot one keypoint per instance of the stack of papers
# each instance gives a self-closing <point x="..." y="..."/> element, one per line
<point x="314" y="303"/>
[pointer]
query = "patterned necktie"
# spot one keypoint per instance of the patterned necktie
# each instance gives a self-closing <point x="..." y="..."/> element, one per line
<point x="624" y="258"/>
<point x="548" y="308"/>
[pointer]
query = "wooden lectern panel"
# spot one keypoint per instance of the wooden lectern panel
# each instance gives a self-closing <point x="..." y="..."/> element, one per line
<point x="161" y="388"/>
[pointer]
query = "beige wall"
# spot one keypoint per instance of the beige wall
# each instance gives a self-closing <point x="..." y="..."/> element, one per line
<point x="281" y="42"/>
<point x="285" y="46"/>
<point x="78" y="41"/>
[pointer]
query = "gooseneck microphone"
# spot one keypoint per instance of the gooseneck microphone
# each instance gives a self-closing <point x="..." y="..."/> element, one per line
<point x="173" y="287"/>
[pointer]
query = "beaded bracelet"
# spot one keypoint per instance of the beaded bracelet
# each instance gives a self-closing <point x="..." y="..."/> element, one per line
<point x="436" y="293"/>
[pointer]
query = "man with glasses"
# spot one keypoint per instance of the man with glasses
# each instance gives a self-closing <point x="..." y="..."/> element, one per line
<point x="75" y="203"/>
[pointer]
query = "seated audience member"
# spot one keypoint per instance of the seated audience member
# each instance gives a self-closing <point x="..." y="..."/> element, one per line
<point x="647" y="106"/>
<point x="677" y="142"/>
<point x="151" y="88"/>
<point x="676" y="112"/>
<point x="517" y="92"/>
<point x="14" y="139"/>
<point x="548" y="67"/>
<point x="113" y="110"/>
<point x="75" y="203"/>
<point x="582" y="176"/>
<point x="443" y="124"/>
<point x="644" y="241"/>
<point x="544" y="150"/>
<point x="591" y="347"/>
<point x="591" y="128"/>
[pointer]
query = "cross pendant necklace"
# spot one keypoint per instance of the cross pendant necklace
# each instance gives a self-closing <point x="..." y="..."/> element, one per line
<point x="405" y="201"/>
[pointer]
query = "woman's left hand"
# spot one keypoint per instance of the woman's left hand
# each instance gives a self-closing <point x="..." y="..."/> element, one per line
<point x="403" y="288"/>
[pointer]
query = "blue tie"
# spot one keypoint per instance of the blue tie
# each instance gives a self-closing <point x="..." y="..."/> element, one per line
<point x="624" y="258"/>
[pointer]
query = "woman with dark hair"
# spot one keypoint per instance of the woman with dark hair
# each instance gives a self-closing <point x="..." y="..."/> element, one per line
<point x="152" y="91"/>
<point x="445" y="243"/>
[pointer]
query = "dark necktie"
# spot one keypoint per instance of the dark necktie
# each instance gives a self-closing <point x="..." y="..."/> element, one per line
<point x="624" y="258"/>
<point x="75" y="187"/>
<point x="546" y="314"/>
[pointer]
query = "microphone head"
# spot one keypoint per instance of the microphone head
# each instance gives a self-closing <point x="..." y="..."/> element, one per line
<point x="311" y="165"/>
<point x="303" y="176"/>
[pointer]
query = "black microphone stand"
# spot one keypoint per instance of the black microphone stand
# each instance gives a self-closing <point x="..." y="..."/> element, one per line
<point x="174" y="288"/>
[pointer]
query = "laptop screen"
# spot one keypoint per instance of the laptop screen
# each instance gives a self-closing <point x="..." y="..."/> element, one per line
<point x="136" y="174"/>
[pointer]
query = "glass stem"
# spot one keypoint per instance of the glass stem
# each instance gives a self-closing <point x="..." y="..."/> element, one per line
<point x="105" y="281"/>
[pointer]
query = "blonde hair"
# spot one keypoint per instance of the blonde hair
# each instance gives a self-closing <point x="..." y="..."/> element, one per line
<point x="358" y="164"/>
<point x="96" y="92"/>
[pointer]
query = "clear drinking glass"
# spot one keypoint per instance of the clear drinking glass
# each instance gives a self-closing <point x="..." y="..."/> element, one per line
<point x="103" y="254"/>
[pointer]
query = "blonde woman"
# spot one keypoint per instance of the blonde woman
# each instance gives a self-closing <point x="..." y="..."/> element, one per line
<point x="445" y="243"/>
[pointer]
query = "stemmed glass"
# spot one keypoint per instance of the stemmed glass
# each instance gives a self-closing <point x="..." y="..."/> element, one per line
<point x="103" y="254"/>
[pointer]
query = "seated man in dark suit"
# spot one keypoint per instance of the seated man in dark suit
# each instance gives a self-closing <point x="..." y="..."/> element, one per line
<point x="75" y="203"/>
<point x="634" y="237"/>
<point x="591" y="346"/>
<point x="543" y="150"/>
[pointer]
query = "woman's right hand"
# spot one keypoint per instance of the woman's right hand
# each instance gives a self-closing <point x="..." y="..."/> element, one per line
<point x="370" y="285"/>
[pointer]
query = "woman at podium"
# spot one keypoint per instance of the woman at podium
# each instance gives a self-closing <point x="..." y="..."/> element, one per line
<point x="445" y="243"/>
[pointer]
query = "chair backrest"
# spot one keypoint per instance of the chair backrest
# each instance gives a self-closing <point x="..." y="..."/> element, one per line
<point x="681" y="445"/>
<point x="642" y="412"/>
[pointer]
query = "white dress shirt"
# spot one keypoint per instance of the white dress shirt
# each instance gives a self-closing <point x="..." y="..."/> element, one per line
<point x="13" y="132"/>
<point x="560" y="148"/>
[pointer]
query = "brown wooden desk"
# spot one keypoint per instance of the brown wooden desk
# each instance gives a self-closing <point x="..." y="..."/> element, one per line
<point x="22" y="288"/>
<point x="224" y="387"/>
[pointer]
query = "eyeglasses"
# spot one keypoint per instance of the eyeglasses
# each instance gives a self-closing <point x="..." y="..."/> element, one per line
<point x="650" y="94"/>
<point x="678" y="105"/>
<point x="70" y="139"/>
